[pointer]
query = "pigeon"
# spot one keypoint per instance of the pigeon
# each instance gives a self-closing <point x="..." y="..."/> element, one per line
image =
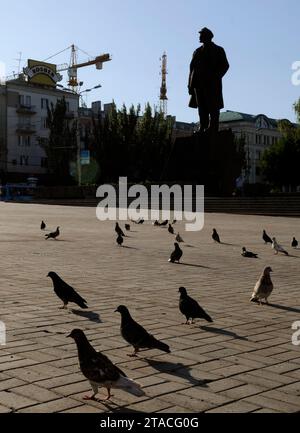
<point x="141" y="221"/>
<point x="263" y="287"/>
<point x="65" y="292"/>
<point x="134" y="222"/>
<point x="179" y="238"/>
<point x="156" y="223"/>
<point x="100" y="371"/>
<point x="215" y="236"/>
<point x="174" y="222"/>
<point x="53" y="235"/>
<point x="294" y="243"/>
<point x="170" y="229"/>
<point x="176" y="254"/>
<point x="118" y="230"/>
<point x="136" y="335"/>
<point x="164" y="223"/>
<point x="43" y="225"/>
<point x="120" y="240"/>
<point x="246" y="253"/>
<point x="278" y="248"/>
<point x="191" y="309"/>
<point x="266" y="238"/>
<point x="127" y="227"/>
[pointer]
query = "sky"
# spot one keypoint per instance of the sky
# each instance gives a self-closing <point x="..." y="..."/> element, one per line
<point x="260" y="37"/>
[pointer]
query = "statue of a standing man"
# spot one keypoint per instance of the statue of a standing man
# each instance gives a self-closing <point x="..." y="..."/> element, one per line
<point x="208" y="66"/>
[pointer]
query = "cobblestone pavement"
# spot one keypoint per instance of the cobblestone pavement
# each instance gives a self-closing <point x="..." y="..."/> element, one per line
<point x="243" y="362"/>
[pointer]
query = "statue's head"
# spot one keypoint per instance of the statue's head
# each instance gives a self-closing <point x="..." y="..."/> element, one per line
<point x="206" y="35"/>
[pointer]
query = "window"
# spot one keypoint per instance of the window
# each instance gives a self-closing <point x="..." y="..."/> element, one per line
<point x="44" y="103"/>
<point x="25" y="100"/>
<point x="44" y="162"/>
<point x="24" y="140"/>
<point x="258" y="139"/>
<point x="24" y="160"/>
<point x="258" y="154"/>
<point x="44" y="123"/>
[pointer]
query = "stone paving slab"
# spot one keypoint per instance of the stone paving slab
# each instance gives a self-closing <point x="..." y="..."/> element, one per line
<point x="243" y="362"/>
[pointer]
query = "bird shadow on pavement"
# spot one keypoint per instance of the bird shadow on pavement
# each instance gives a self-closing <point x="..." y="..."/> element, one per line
<point x="283" y="307"/>
<point x="90" y="315"/>
<point x="177" y="369"/>
<point x="129" y="248"/>
<point x="223" y="332"/>
<point x="194" y="266"/>
<point x="229" y="245"/>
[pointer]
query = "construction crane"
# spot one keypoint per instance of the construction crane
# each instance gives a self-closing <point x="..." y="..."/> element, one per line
<point x="74" y="65"/>
<point x="163" y="88"/>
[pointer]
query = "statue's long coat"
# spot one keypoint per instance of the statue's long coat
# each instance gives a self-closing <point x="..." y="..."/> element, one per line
<point x="208" y="66"/>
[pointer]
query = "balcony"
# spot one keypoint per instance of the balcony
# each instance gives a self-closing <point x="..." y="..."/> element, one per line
<point x="26" y="109"/>
<point x="26" y="128"/>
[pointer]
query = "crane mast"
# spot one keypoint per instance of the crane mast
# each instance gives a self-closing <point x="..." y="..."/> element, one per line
<point x="163" y="88"/>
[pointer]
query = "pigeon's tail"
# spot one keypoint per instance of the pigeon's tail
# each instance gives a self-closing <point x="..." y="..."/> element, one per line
<point x="254" y="299"/>
<point x="160" y="345"/>
<point x="207" y="318"/>
<point x="130" y="386"/>
<point x="285" y="252"/>
<point x="80" y="302"/>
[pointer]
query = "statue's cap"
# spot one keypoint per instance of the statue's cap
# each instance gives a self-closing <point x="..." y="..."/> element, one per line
<point x="206" y="31"/>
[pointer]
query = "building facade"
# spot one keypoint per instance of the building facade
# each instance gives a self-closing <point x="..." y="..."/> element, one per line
<point x="258" y="132"/>
<point x="24" y="126"/>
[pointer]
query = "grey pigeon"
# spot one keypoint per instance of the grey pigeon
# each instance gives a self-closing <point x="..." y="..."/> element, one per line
<point x="264" y="287"/>
<point x="248" y="254"/>
<point x="294" y="243"/>
<point x="190" y="308"/>
<point x="120" y="240"/>
<point x="53" y="235"/>
<point x="136" y="335"/>
<point x="179" y="238"/>
<point x="65" y="292"/>
<point x="176" y="254"/>
<point x="118" y="230"/>
<point x="100" y="371"/>
<point x="164" y="223"/>
<point x="266" y="238"/>
<point x="215" y="236"/>
<point x="170" y="229"/>
<point x="278" y="248"/>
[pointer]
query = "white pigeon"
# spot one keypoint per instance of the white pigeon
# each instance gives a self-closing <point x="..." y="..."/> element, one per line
<point x="179" y="238"/>
<point x="278" y="248"/>
<point x="264" y="287"/>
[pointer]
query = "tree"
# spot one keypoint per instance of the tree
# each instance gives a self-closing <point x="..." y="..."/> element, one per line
<point x="129" y="144"/>
<point x="61" y="145"/>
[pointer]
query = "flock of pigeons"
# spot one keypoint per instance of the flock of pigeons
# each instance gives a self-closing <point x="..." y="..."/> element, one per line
<point x="97" y="367"/>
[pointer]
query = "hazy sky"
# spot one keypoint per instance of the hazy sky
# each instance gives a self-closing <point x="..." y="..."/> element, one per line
<point x="261" y="39"/>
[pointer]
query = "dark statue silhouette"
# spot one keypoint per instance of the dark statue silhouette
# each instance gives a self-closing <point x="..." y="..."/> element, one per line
<point x="208" y="66"/>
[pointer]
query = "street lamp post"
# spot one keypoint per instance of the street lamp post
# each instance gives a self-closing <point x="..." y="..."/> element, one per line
<point x="79" y="173"/>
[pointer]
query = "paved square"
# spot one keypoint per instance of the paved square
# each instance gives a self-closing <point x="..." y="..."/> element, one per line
<point x="243" y="362"/>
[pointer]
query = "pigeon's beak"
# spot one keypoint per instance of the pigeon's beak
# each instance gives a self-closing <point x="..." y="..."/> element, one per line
<point x="116" y="311"/>
<point x="68" y="336"/>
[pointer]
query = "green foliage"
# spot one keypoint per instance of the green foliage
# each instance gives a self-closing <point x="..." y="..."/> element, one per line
<point x="280" y="162"/>
<point x="129" y="144"/>
<point x="60" y="148"/>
